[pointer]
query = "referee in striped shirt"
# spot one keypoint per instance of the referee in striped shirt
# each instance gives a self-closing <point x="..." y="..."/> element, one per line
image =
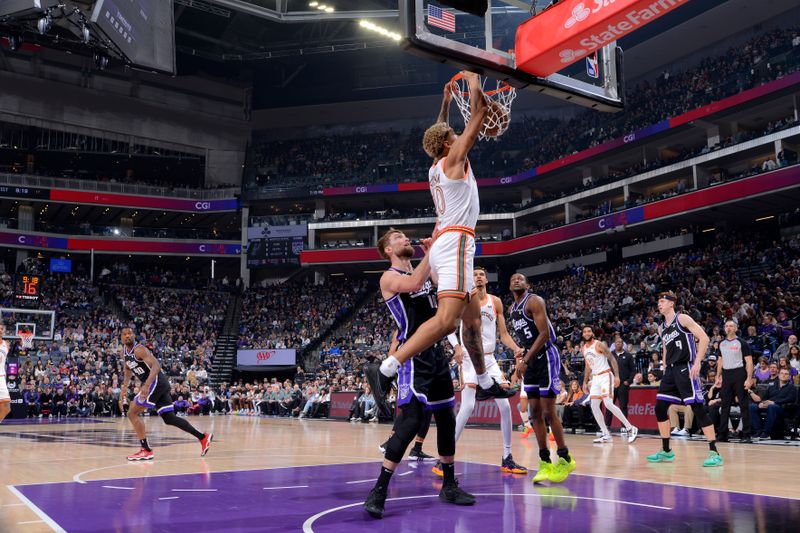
<point x="737" y="376"/>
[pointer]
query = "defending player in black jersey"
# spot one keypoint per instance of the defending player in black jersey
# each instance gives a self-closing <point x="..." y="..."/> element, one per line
<point x="539" y="368"/>
<point x="681" y="382"/>
<point x="154" y="393"/>
<point x="423" y="381"/>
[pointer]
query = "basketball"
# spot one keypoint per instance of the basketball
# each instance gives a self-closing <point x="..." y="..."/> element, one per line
<point x="496" y="121"/>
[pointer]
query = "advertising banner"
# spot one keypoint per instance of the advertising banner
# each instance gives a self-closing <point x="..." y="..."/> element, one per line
<point x="276" y="232"/>
<point x="257" y="359"/>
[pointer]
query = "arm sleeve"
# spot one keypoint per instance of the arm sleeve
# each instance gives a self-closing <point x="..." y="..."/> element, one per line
<point x="453" y="340"/>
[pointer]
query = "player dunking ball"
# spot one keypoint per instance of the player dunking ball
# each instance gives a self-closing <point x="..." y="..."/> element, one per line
<point x="539" y="369"/>
<point x="423" y="383"/>
<point x="154" y="393"/>
<point x="455" y="195"/>
<point x="597" y="357"/>
<point x="5" y="396"/>
<point x="681" y="382"/>
<point x="492" y="322"/>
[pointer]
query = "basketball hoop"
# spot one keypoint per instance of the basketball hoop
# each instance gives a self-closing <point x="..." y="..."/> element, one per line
<point x="499" y="99"/>
<point x="26" y="339"/>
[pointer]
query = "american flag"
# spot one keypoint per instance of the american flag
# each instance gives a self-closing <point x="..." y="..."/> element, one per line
<point x="441" y="19"/>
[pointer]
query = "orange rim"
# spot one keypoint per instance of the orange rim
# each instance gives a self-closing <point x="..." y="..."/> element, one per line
<point x="504" y="86"/>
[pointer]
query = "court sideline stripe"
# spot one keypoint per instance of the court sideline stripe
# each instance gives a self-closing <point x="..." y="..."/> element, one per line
<point x="32" y="506"/>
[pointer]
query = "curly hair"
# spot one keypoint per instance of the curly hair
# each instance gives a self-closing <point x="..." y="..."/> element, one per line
<point x="434" y="138"/>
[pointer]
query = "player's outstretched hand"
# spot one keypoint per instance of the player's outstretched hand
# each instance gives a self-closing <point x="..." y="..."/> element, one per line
<point x="448" y="92"/>
<point x="426" y="244"/>
<point x="468" y="76"/>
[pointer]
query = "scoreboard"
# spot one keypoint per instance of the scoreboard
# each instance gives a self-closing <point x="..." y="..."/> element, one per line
<point x="276" y="251"/>
<point x="28" y="288"/>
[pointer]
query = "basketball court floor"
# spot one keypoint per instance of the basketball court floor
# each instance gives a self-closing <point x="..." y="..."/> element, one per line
<point x="313" y="475"/>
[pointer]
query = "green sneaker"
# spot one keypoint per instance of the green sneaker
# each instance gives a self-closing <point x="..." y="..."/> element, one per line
<point x="543" y="474"/>
<point x="562" y="469"/>
<point x="661" y="457"/>
<point x="713" y="459"/>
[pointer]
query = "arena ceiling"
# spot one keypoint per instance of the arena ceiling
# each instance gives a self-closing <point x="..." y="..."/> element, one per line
<point x="297" y="55"/>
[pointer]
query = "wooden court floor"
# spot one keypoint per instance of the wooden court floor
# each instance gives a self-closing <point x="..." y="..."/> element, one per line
<point x="80" y="452"/>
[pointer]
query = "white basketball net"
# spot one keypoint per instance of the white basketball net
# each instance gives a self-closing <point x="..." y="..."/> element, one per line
<point x="26" y="339"/>
<point x="499" y="100"/>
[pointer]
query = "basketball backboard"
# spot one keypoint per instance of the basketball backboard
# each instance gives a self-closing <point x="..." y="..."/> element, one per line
<point x="486" y="45"/>
<point x="39" y="321"/>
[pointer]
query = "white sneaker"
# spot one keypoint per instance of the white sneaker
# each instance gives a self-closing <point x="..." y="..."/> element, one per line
<point x="632" y="434"/>
<point x="374" y="419"/>
<point x="599" y="434"/>
<point x="675" y="431"/>
<point x="682" y="433"/>
<point x="623" y="430"/>
<point x="605" y="438"/>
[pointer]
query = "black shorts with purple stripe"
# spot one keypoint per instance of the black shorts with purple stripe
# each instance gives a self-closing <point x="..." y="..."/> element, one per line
<point x="677" y="386"/>
<point x="541" y="379"/>
<point x="426" y="377"/>
<point x="159" y="397"/>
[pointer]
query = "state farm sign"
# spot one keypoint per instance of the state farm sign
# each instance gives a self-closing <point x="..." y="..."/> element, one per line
<point x="569" y="31"/>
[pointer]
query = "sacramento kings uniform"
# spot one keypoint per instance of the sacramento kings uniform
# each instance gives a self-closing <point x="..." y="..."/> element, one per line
<point x="425" y="376"/>
<point x="541" y="377"/>
<point x="677" y="386"/>
<point x="158" y="396"/>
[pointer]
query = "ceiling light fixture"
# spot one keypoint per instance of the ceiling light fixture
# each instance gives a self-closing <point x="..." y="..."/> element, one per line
<point x="379" y="29"/>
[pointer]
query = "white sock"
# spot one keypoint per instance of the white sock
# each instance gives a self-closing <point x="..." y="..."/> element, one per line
<point x="485" y="381"/>
<point x="389" y="366"/>
<point x="505" y="424"/>
<point x="616" y="411"/>
<point x="465" y="411"/>
<point x="598" y="416"/>
<point x="523" y="413"/>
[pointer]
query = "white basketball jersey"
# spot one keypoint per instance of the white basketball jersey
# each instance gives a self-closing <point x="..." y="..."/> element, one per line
<point x="596" y="361"/>
<point x="456" y="201"/>
<point x="488" y="327"/>
<point x="3" y="356"/>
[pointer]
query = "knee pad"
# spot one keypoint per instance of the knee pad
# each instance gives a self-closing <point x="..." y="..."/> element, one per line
<point x="446" y="432"/>
<point x="661" y="410"/>
<point x="406" y="427"/>
<point x="700" y="415"/>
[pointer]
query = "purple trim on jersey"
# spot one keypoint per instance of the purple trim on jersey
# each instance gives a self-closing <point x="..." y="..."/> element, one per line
<point x="166" y="409"/>
<point x="398" y="312"/>
<point x="522" y="305"/>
